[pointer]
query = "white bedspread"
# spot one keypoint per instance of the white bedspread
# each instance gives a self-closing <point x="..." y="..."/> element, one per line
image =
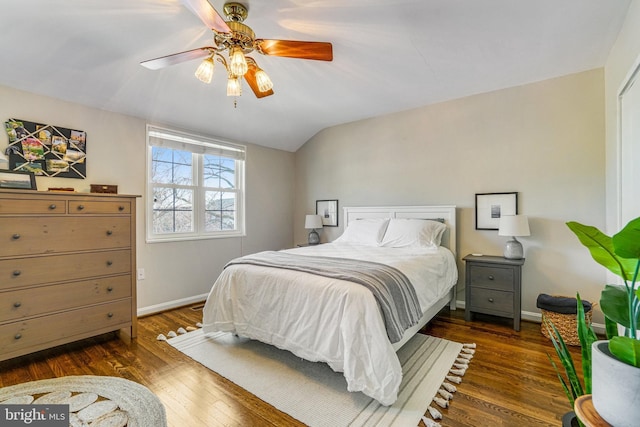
<point x="327" y="320"/>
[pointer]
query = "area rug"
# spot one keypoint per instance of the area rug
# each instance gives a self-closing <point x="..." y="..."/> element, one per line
<point x="318" y="396"/>
<point x="92" y="400"/>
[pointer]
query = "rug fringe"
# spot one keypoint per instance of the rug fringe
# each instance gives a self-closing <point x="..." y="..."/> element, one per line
<point x="445" y="393"/>
<point x="179" y="331"/>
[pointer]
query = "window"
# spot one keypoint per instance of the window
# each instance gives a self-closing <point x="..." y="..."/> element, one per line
<point x="195" y="186"/>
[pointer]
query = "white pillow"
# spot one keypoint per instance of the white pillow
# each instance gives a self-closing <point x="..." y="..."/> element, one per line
<point x="413" y="233"/>
<point x="367" y="231"/>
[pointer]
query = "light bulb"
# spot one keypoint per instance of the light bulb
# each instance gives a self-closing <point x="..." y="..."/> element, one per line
<point x="264" y="82"/>
<point x="204" y="73"/>
<point x="238" y="63"/>
<point x="233" y="87"/>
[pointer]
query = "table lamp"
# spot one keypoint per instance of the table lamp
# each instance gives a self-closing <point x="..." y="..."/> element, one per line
<point x="312" y="222"/>
<point x="513" y="225"/>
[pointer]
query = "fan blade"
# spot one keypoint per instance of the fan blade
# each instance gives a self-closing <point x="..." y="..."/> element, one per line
<point x="250" y="77"/>
<point x="321" y="51"/>
<point x="177" y="58"/>
<point x="207" y="14"/>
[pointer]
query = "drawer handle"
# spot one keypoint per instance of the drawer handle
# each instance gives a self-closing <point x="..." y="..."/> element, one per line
<point x="491" y="277"/>
<point x="15" y="236"/>
<point x="109" y="263"/>
<point x="16" y="273"/>
<point x="17" y="304"/>
<point x="109" y="232"/>
<point x="120" y="208"/>
<point x="490" y="299"/>
<point x="110" y="289"/>
<point x="109" y="315"/>
<point x="17" y="336"/>
<point x="52" y="206"/>
<point x="80" y="207"/>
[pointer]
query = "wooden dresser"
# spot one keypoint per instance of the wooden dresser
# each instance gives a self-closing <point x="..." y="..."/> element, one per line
<point x="67" y="268"/>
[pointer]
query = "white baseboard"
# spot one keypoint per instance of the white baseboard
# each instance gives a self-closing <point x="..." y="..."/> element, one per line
<point x="144" y="311"/>
<point x="537" y="317"/>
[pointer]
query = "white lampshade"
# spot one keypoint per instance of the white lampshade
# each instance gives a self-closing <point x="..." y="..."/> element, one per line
<point x="514" y="225"/>
<point x="313" y="221"/>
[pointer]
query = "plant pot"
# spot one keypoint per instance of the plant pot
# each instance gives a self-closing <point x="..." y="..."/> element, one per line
<point x="615" y="387"/>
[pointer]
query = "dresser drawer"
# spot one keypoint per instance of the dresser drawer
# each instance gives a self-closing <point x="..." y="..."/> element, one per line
<point x="39" y="206"/>
<point x="49" y="235"/>
<point x="41" y="300"/>
<point x="21" y="272"/>
<point x="491" y="277"/>
<point x="491" y="301"/>
<point x="99" y="207"/>
<point x="46" y="331"/>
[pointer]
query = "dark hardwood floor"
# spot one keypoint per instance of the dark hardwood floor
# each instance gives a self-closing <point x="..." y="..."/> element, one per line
<point x="510" y="381"/>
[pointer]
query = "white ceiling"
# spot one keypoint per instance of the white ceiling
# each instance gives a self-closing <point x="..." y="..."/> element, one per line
<point x="388" y="56"/>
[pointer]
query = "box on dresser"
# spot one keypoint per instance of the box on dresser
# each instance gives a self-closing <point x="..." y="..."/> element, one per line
<point x="67" y="263"/>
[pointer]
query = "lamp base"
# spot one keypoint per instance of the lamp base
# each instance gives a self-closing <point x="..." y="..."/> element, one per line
<point x="513" y="249"/>
<point x="314" y="238"/>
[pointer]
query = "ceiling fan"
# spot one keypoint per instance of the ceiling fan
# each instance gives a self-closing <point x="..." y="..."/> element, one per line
<point x="239" y="40"/>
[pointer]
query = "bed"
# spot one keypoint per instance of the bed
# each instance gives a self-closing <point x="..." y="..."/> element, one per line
<point x="330" y="318"/>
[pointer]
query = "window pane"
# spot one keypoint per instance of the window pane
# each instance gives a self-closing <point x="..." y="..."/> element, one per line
<point x="220" y="211"/>
<point x="219" y="172"/>
<point x="172" y="210"/>
<point x="169" y="166"/>
<point x="228" y="173"/>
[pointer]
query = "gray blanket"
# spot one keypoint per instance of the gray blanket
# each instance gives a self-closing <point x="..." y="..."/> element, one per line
<point x="393" y="291"/>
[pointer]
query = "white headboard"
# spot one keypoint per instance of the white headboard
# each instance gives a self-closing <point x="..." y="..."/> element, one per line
<point x="448" y="213"/>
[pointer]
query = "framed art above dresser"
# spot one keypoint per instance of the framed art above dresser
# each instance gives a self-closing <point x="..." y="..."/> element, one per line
<point x="67" y="263"/>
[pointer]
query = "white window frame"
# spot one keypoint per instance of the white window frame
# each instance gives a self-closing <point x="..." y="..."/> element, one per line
<point x="198" y="145"/>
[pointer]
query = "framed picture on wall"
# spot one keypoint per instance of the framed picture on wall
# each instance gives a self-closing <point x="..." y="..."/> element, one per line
<point x="18" y="180"/>
<point x="491" y="206"/>
<point x="328" y="210"/>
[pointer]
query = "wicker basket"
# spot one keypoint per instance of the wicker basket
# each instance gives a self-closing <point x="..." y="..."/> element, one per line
<point x="566" y="324"/>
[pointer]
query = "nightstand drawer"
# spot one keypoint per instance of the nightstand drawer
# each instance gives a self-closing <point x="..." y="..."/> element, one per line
<point x="491" y="277"/>
<point x="491" y="301"/>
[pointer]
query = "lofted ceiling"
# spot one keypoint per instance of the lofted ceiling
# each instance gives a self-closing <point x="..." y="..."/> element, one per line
<point x="389" y="56"/>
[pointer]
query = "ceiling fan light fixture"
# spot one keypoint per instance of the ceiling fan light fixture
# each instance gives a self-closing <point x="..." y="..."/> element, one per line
<point x="237" y="62"/>
<point x="264" y="82"/>
<point x="204" y="72"/>
<point x="233" y="87"/>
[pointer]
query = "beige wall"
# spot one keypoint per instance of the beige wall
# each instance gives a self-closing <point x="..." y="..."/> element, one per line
<point x="177" y="272"/>
<point x="544" y="140"/>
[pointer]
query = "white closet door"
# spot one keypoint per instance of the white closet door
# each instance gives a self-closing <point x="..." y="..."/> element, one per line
<point x="630" y="151"/>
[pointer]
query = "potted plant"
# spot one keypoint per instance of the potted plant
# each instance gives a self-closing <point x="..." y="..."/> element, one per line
<point x="571" y="383"/>
<point x="616" y="362"/>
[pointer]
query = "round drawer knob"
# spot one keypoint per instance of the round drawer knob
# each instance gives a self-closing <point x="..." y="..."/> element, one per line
<point x="110" y="289"/>
<point x="52" y="206"/>
<point x="491" y="277"/>
<point x="17" y="304"/>
<point x="120" y="208"/>
<point x="490" y="299"/>
<point x="109" y="315"/>
<point x="17" y="336"/>
<point x="16" y="273"/>
<point x="80" y="207"/>
<point x="109" y="263"/>
<point x="109" y="232"/>
<point x="15" y="236"/>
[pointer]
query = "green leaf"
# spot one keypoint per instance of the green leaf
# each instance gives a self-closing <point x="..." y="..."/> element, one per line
<point x="587" y="336"/>
<point x="626" y="242"/>
<point x="614" y="303"/>
<point x="566" y="359"/>
<point x="611" y="328"/>
<point x="626" y="350"/>
<point x="602" y="249"/>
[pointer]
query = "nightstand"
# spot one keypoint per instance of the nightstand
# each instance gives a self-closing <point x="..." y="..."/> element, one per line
<point x="493" y="286"/>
